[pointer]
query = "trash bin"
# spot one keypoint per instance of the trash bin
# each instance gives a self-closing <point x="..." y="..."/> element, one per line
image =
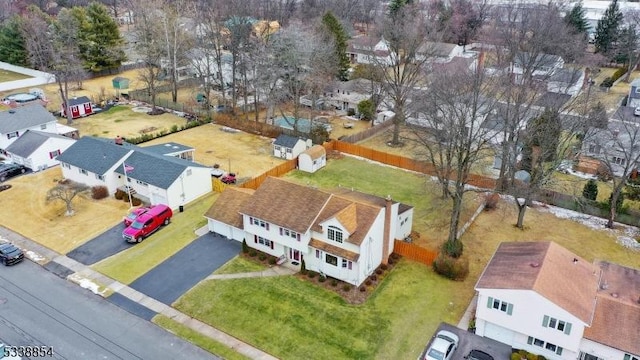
<point x="181" y="208"/>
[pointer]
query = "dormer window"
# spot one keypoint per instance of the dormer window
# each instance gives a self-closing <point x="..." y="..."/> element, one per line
<point x="335" y="234"/>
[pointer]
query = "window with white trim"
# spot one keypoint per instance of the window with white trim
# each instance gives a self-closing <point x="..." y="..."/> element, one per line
<point x="66" y="165"/>
<point x="277" y="147"/>
<point x="630" y="357"/>
<point x="53" y="154"/>
<point x="334" y="233"/>
<point x="289" y="233"/>
<point x="43" y="127"/>
<point x="188" y="172"/>
<point x="142" y="183"/>
<point x="258" y="222"/>
<point x="330" y="259"/>
<point x="500" y="305"/>
<point x="594" y="149"/>
<point x="618" y="160"/>
<point x="263" y="241"/>
<point x="545" y="345"/>
<point x="548" y="321"/>
<point x="318" y="254"/>
<point x="83" y="171"/>
<point x="100" y="177"/>
<point x="347" y="264"/>
<point x="12" y="135"/>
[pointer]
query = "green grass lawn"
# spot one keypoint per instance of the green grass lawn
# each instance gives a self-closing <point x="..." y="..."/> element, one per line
<point x="6" y="75"/>
<point x="134" y="262"/>
<point x="292" y="319"/>
<point x="195" y="337"/>
<point x="431" y="212"/>
<point x="239" y="265"/>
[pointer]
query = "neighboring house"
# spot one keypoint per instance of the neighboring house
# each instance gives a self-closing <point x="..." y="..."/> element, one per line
<point x="343" y="234"/>
<point x="203" y="62"/>
<point x="155" y="178"/>
<point x="15" y="122"/>
<point x="365" y="49"/>
<point x="289" y="147"/>
<point x="347" y="95"/>
<point x="38" y="150"/>
<point x="312" y="159"/>
<point x="544" y="65"/>
<point x="79" y="106"/>
<point x="540" y="297"/>
<point x="612" y="145"/>
<point x="566" y="81"/>
<point x="438" y="52"/>
<point x="634" y="94"/>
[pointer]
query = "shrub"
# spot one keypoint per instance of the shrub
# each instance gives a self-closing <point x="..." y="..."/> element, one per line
<point x="395" y="256"/>
<point x="363" y="288"/>
<point x="135" y="201"/>
<point x="618" y="74"/>
<point x="451" y="268"/>
<point x="351" y="112"/>
<point x="379" y="271"/>
<point x="253" y="253"/>
<point x="311" y="274"/>
<point x="334" y="282"/>
<point x="453" y="248"/>
<point x="303" y="267"/>
<point x="384" y="266"/>
<point x="608" y="82"/>
<point x="119" y="194"/>
<point x="346" y="287"/>
<point x="272" y="261"/>
<point x="174" y="128"/>
<point x="262" y="257"/>
<point x="374" y="277"/>
<point x="531" y="356"/>
<point x="515" y="356"/>
<point x="99" y="192"/>
<point x="245" y="247"/>
<point x="491" y="201"/>
<point x="368" y="282"/>
<point x="322" y="279"/>
<point x="390" y="261"/>
<point x="125" y="197"/>
<point x="590" y="190"/>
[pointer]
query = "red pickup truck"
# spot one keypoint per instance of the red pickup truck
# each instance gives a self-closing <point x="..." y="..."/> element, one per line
<point x="147" y="223"/>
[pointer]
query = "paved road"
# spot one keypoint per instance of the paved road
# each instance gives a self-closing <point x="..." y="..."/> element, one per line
<point x="176" y="275"/>
<point x="38" y="308"/>
<point x="101" y="247"/>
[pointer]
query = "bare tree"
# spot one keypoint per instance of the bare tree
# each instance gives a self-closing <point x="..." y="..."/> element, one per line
<point x="632" y="20"/>
<point x="618" y="148"/>
<point x="450" y="130"/>
<point x="177" y="39"/>
<point x="66" y="191"/>
<point x="53" y="47"/>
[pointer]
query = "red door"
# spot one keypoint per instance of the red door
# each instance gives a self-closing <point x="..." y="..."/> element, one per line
<point x="87" y="109"/>
<point x="75" y="112"/>
<point x="294" y="254"/>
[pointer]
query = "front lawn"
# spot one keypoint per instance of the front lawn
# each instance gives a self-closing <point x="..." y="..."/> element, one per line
<point x="134" y="262"/>
<point x="239" y="265"/>
<point x="431" y="212"/>
<point x="294" y="319"/>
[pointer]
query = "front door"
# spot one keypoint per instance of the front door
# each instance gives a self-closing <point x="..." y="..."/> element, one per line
<point x="294" y="254"/>
<point x="75" y="112"/>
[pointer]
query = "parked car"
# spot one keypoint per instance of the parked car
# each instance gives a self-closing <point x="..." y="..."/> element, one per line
<point x="133" y="215"/>
<point x="478" y="355"/>
<point x="217" y="172"/>
<point x="147" y="223"/>
<point x="10" y="170"/>
<point x="10" y="254"/>
<point x="229" y="178"/>
<point x="443" y="346"/>
<point x="636" y="111"/>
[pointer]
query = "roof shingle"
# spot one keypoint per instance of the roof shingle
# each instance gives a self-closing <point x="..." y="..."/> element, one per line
<point x="30" y="141"/>
<point x="24" y="117"/>
<point x="226" y="208"/>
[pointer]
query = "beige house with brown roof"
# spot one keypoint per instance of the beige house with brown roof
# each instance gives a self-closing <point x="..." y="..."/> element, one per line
<point x="344" y="234"/>
<point x="540" y="297"/>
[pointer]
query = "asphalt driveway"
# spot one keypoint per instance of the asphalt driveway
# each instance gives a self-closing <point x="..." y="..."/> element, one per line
<point x="176" y="275"/>
<point x="470" y="341"/>
<point x="101" y="247"/>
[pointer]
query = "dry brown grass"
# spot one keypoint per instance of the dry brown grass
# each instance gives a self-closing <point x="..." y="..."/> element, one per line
<point x="248" y="154"/>
<point x="27" y="213"/>
<point x="121" y="120"/>
<point x="6" y="75"/>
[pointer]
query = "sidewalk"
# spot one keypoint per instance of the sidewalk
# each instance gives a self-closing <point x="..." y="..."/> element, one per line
<point x="68" y="268"/>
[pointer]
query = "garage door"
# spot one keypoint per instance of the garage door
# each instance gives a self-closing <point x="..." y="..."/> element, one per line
<point x="158" y="199"/>
<point x="498" y="333"/>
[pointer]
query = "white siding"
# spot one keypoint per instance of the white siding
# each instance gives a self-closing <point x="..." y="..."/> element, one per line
<point x="48" y="127"/>
<point x="226" y="230"/>
<point x="306" y="163"/>
<point x="187" y="188"/>
<point x="529" y="309"/>
<point x="600" y="350"/>
<point x="405" y="220"/>
<point x="73" y="173"/>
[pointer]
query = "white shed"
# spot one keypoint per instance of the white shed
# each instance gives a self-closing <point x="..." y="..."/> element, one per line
<point x="289" y="147"/>
<point x="312" y="159"/>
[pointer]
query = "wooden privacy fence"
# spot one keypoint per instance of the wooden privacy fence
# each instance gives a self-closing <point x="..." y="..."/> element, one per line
<point x="276" y="171"/>
<point x="414" y="252"/>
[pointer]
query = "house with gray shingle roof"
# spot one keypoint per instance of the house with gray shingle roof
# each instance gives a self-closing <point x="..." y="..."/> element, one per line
<point x="341" y="233"/>
<point x="541" y="297"/>
<point x="289" y="147"/>
<point x="155" y="177"/>
<point x="15" y="122"/>
<point x="38" y="150"/>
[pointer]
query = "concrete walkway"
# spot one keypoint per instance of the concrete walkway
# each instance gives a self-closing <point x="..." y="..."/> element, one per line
<point x="469" y="313"/>
<point x="43" y="255"/>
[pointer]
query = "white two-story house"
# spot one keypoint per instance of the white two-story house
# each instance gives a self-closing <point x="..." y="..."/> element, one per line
<point x="343" y="234"/>
<point x="370" y="50"/>
<point x="15" y="122"/>
<point x="540" y="297"/>
<point x="153" y="175"/>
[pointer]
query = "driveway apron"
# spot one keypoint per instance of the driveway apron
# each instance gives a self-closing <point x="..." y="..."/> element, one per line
<point x="101" y="247"/>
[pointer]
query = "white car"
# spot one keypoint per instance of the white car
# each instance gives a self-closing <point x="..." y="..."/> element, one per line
<point x="636" y="111"/>
<point x="443" y="346"/>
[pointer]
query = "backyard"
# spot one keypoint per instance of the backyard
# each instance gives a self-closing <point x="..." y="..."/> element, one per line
<point x="45" y="222"/>
<point x="6" y="75"/>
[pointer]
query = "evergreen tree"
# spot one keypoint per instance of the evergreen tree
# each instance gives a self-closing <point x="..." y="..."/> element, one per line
<point x="12" y="46"/>
<point x="340" y="42"/>
<point x="545" y="132"/>
<point x="590" y="190"/>
<point x="367" y="109"/>
<point x="577" y="18"/>
<point x="101" y="39"/>
<point x="608" y="29"/>
<point x="598" y="117"/>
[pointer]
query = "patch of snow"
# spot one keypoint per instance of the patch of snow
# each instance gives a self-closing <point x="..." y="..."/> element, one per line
<point x="86" y="284"/>
<point x="35" y="257"/>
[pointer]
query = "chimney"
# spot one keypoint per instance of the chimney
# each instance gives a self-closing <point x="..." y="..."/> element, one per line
<point x="575" y="260"/>
<point x="118" y="140"/>
<point x="387" y="229"/>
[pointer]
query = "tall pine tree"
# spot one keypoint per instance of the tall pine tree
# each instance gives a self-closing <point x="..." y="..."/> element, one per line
<point x="340" y="42"/>
<point x="577" y="19"/>
<point x="102" y="44"/>
<point x="12" y="46"/>
<point x="608" y="29"/>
